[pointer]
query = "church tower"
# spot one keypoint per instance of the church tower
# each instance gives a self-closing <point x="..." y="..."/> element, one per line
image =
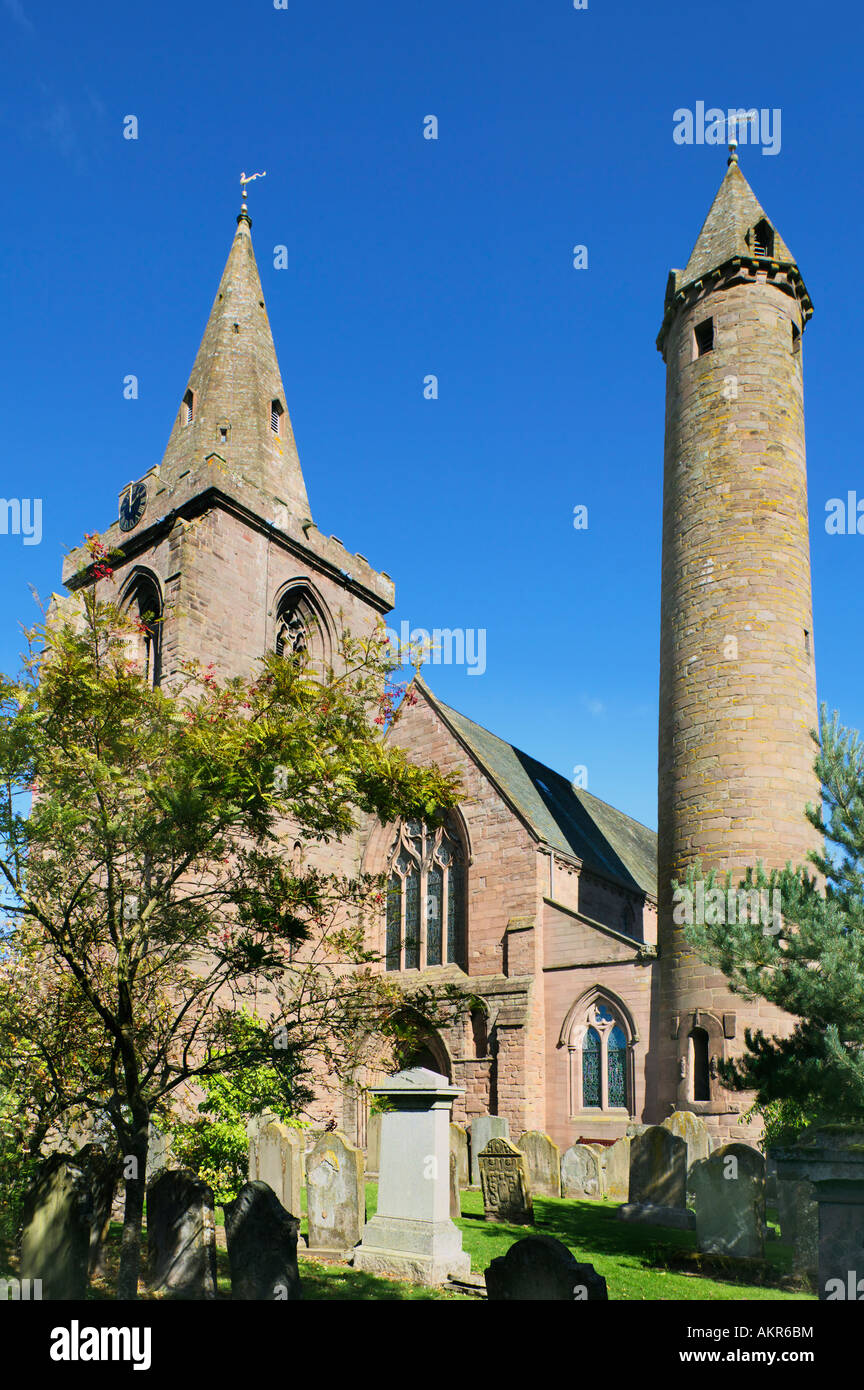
<point x="737" y="676"/>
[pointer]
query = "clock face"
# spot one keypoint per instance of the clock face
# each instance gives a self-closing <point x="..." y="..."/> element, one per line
<point x="132" y="506"/>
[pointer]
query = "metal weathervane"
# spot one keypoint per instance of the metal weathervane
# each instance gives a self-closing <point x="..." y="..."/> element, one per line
<point x="247" y="178"/>
<point x="732" y="125"/>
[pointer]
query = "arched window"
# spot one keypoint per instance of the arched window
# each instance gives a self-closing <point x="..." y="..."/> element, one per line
<point x="300" y="631"/>
<point x="425" y="899"/>
<point x="144" y="605"/>
<point x="601" y="1065"/>
<point x="700" y="1064"/>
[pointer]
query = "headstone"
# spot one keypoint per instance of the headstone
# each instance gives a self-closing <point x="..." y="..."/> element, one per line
<point x="647" y="1214"/>
<point x="833" y="1153"/>
<point x="59" y="1216"/>
<point x="459" y="1146"/>
<point x="484" y="1128"/>
<point x="412" y="1235"/>
<point x="615" y="1166"/>
<point x="276" y="1157"/>
<point x="693" y="1130"/>
<point x="729" y="1202"/>
<point x="101" y="1171"/>
<point x="805" y="1223"/>
<point x="581" y="1173"/>
<point x="159" y="1153"/>
<point x="504" y="1182"/>
<point x="335" y="1194"/>
<point x="181" y="1235"/>
<point x="544" y="1163"/>
<point x="373" y="1143"/>
<point x="841" y="1240"/>
<point x="262" y="1246"/>
<point x="540" y="1267"/>
<point x="455" y="1194"/>
<point x="658" y="1169"/>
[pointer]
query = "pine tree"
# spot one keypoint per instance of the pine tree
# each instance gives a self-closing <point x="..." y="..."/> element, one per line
<point x="810" y="961"/>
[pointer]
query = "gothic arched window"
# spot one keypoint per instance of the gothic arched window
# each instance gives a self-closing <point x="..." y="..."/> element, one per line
<point x="600" y="1048"/>
<point x="300" y="631"/>
<point x="426" y="899"/>
<point x="143" y="604"/>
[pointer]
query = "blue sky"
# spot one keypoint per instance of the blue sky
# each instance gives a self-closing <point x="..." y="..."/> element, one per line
<point x="409" y="257"/>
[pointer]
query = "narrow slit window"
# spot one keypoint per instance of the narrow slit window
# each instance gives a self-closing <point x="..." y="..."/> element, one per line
<point x="276" y="413"/>
<point x="796" y="338"/>
<point x="189" y="407"/>
<point x="704" y="334"/>
<point x="807" y="649"/>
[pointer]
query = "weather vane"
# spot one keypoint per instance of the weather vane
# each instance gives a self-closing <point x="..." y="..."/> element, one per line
<point x="247" y="178"/>
<point x="732" y="122"/>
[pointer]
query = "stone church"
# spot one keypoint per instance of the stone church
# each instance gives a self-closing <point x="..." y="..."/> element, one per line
<point x="537" y="896"/>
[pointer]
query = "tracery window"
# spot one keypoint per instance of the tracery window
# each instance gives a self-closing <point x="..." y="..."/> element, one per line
<point x="144" y="605"/>
<point x="600" y="1063"/>
<point x="426" y="899"/>
<point x="299" y="631"/>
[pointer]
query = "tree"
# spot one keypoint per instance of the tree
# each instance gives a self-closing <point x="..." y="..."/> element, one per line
<point x="811" y="962"/>
<point x="149" y="891"/>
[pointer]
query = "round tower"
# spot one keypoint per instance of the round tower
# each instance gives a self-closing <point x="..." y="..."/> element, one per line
<point x="737" y="676"/>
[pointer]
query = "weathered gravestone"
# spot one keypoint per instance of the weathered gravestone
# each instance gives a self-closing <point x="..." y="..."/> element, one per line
<point x="658" y="1169"/>
<point x="504" y="1182"/>
<point x="181" y="1235"/>
<point x="455" y="1195"/>
<point x="615" y="1167"/>
<point x="841" y="1240"/>
<point x="276" y="1157"/>
<point x="729" y="1202"/>
<point x="373" y="1143"/>
<point x="581" y="1173"/>
<point x="484" y="1128"/>
<point x="412" y="1235"/>
<point x="101" y="1171"/>
<point x="693" y="1130"/>
<point x="540" y="1267"/>
<point x="335" y="1194"/>
<point x="262" y="1246"/>
<point x="544" y="1163"/>
<point x="59" y="1217"/>
<point x="459" y="1146"/>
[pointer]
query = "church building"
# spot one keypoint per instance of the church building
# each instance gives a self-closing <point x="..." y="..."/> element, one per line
<point x="536" y="896"/>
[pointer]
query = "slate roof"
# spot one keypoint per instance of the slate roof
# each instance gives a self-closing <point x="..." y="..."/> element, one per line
<point x="735" y="210"/>
<point x="567" y="819"/>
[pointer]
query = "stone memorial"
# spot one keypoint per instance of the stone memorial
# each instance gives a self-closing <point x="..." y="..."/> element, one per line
<point x="181" y="1235"/>
<point x="455" y="1194"/>
<point x="59" y="1217"/>
<point x="840" y="1273"/>
<point x="484" y="1128"/>
<point x="615" y="1168"/>
<point x="540" y="1267"/>
<point x="693" y="1130"/>
<point x="729" y="1202"/>
<point x="412" y="1235"/>
<point x="459" y="1146"/>
<point x="262" y="1246"/>
<point x="658" y="1169"/>
<point x="101" y="1170"/>
<point x="373" y="1143"/>
<point x="544" y="1163"/>
<point x="276" y="1157"/>
<point x="581" y="1173"/>
<point x="504" y="1183"/>
<point x="335" y="1194"/>
<point x="826" y="1154"/>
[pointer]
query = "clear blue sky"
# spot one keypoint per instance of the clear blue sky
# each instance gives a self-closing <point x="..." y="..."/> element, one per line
<point x="409" y="257"/>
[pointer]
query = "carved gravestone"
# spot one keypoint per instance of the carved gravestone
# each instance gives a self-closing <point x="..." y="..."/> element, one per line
<point x="581" y="1173"/>
<point x="459" y="1146"/>
<point x="693" y="1130"/>
<point x="615" y="1167"/>
<point x="335" y="1194"/>
<point x="262" y="1246"/>
<point x="540" y="1267"/>
<point x="484" y="1128"/>
<point x="181" y="1235"/>
<point x="729" y="1202"/>
<point x="658" y="1169"/>
<point x="504" y="1182"/>
<point x="276" y="1157"/>
<point x="59" y="1217"/>
<point x="544" y="1163"/>
<point x="455" y="1195"/>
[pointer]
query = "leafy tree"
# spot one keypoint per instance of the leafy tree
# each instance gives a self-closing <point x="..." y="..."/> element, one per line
<point x="150" y="887"/>
<point x="811" y="963"/>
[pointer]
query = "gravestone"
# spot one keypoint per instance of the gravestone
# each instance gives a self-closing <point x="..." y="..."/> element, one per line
<point x="335" y="1194"/>
<point x="504" y="1182"/>
<point x="615" y="1167"/>
<point x="805" y="1224"/>
<point x="373" y="1143"/>
<point x="459" y="1146"/>
<point x="59" y="1216"/>
<point x="540" y="1267"/>
<point x="455" y="1195"/>
<point x="822" y="1154"/>
<point x="484" y="1128"/>
<point x="262" y="1246"/>
<point x="841" y="1240"/>
<point x="693" y="1130"/>
<point x="581" y="1173"/>
<point x="412" y="1235"/>
<point x="729" y="1202"/>
<point x="101" y="1171"/>
<point x="181" y="1235"/>
<point x="658" y="1169"/>
<point x="276" y="1157"/>
<point x="544" y="1163"/>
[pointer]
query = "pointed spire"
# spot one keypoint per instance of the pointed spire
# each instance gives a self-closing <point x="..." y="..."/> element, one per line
<point x="234" y="396"/>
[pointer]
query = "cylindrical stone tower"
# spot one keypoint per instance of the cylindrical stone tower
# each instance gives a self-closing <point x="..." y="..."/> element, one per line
<point x="737" y="677"/>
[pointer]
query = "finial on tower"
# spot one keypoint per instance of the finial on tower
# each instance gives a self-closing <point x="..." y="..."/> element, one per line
<point x="732" y="122"/>
<point x="244" y="179"/>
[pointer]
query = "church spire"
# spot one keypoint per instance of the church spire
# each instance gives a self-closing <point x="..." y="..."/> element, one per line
<point x="234" y="406"/>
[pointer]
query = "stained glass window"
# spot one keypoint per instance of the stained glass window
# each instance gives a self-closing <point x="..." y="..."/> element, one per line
<point x="456" y="914"/>
<point x="394" y="923"/>
<point x="426" y="899"/>
<point x="616" y="1054"/>
<point x="412" y="921"/>
<point x="591" y="1068"/>
<point x="434" y="918"/>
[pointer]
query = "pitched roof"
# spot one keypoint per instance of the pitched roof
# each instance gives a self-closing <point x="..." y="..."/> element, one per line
<point x="735" y="210"/>
<point x="566" y="818"/>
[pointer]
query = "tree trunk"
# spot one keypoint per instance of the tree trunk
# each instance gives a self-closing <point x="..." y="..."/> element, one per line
<point x="133" y="1211"/>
